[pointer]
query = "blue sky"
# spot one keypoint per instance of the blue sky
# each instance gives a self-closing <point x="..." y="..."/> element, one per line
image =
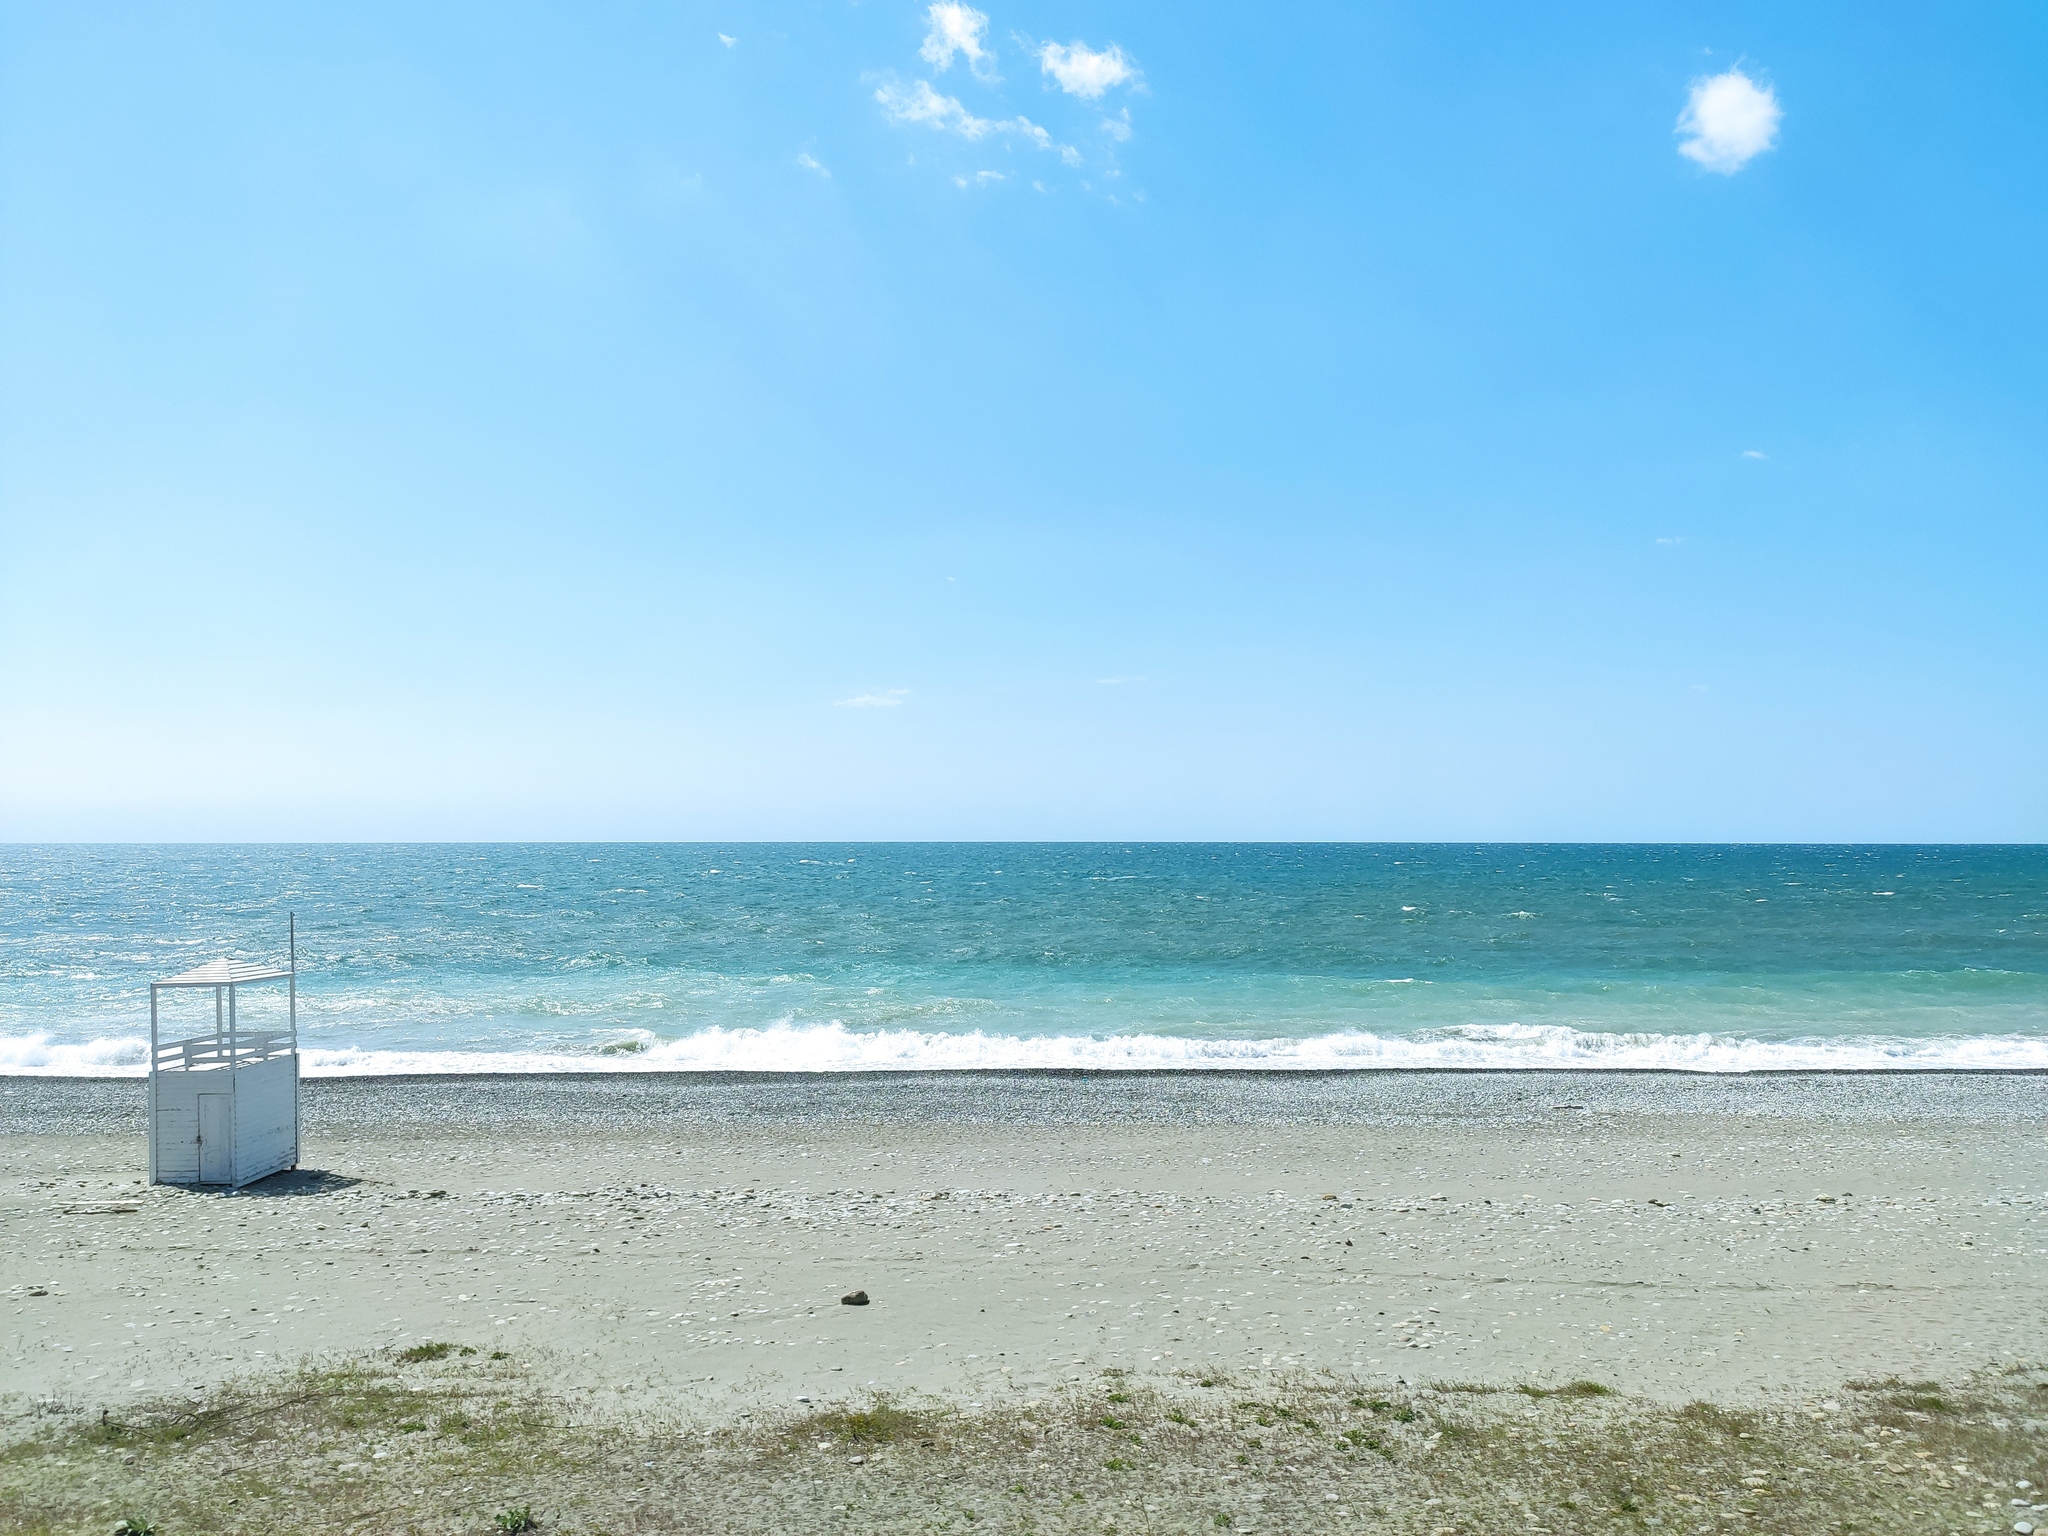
<point x="1349" y="421"/>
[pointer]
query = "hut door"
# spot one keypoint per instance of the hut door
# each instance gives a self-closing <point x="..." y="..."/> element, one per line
<point x="216" y="1136"/>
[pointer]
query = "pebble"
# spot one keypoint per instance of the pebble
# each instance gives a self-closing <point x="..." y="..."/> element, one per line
<point x="854" y="1299"/>
<point x="2023" y="1528"/>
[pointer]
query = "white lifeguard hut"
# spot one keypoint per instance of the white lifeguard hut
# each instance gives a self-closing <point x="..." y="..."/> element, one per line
<point x="224" y="1107"/>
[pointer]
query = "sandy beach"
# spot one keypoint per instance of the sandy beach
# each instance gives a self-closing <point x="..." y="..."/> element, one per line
<point x="1416" y="1302"/>
<point x="657" y="1238"/>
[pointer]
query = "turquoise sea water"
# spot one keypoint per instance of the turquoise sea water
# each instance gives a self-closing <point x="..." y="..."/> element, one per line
<point x="824" y="957"/>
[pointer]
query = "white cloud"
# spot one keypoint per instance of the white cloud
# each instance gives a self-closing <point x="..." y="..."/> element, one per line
<point x="1668" y="543"/>
<point x="1118" y="127"/>
<point x="887" y="699"/>
<point x="1037" y="135"/>
<point x="978" y="179"/>
<point x="957" y="28"/>
<point x="919" y="103"/>
<point x="1081" y="71"/>
<point x="1754" y="453"/>
<point x="1728" y="121"/>
<point x="730" y="42"/>
<point x="805" y="160"/>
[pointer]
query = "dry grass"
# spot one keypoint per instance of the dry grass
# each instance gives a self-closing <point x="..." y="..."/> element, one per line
<point x="462" y="1443"/>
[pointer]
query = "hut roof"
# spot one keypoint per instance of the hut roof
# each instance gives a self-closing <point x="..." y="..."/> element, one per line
<point x="224" y="973"/>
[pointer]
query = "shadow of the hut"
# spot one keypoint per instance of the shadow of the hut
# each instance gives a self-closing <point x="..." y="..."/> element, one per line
<point x="299" y="1181"/>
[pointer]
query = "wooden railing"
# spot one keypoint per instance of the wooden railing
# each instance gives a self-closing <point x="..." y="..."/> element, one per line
<point x="204" y="1051"/>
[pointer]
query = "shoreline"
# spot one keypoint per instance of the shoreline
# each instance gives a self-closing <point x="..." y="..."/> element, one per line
<point x="821" y="1048"/>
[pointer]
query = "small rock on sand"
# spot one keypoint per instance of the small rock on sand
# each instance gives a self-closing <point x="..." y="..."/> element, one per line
<point x="854" y="1299"/>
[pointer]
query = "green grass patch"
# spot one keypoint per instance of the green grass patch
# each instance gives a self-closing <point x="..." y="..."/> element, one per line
<point x="880" y="1423"/>
<point x="297" y="1452"/>
<point x="1569" y="1389"/>
<point x="422" y="1352"/>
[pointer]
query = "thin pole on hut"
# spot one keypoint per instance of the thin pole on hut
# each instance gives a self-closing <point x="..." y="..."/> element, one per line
<point x="292" y="918"/>
<point x="152" y="1082"/>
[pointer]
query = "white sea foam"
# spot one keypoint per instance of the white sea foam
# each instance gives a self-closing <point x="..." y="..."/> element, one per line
<point x="38" y="1055"/>
<point x="835" y="1048"/>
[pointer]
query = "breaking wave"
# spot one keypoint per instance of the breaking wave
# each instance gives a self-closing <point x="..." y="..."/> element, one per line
<point x="835" y="1048"/>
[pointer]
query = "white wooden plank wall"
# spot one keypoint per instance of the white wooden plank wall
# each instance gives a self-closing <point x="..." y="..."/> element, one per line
<point x="177" y="1147"/>
<point x="265" y="1117"/>
<point x="177" y="1125"/>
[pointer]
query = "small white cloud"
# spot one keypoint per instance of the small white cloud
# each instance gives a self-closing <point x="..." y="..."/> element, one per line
<point x="1728" y="121"/>
<point x="1118" y="127"/>
<point x="919" y="103"/>
<point x="730" y="42"/>
<point x="1754" y="453"/>
<point x="1667" y="543"/>
<point x="1023" y="127"/>
<point x="978" y="179"/>
<point x="1081" y="71"/>
<point x="959" y="29"/>
<point x="805" y="160"/>
<point x="887" y="699"/>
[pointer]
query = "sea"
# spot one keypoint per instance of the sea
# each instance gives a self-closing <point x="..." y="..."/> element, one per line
<point x="775" y="957"/>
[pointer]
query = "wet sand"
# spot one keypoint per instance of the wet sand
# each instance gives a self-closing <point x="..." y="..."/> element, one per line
<point x="687" y="1239"/>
